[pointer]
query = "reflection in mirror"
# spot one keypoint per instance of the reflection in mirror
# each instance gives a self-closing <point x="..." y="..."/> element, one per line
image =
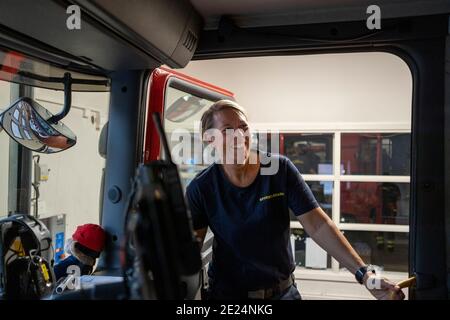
<point x="27" y="123"/>
<point x="184" y="108"/>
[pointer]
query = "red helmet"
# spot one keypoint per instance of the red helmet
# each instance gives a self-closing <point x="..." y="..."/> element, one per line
<point x="92" y="236"/>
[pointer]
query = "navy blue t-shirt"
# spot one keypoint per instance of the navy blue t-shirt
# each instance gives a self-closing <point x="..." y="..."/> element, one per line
<point x="251" y="248"/>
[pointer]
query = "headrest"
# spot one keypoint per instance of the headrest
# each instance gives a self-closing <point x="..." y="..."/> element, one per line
<point x="103" y="141"/>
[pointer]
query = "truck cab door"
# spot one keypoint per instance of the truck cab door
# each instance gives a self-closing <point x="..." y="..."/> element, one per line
<point x="181" y="101"/>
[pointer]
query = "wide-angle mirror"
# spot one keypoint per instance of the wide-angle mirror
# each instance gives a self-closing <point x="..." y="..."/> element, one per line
<point x="28" y="123"/>
<point x="184" y="108"/>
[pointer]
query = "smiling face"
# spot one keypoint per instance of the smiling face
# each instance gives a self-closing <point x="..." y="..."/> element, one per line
<point x="234" y="147"/>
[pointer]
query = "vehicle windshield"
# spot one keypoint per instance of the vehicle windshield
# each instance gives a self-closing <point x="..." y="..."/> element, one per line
<point x="21" y="69"/>
<point x="66" y="186"/>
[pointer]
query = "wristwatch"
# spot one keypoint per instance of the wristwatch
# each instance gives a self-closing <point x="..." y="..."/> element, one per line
<point x="361" y="272"/>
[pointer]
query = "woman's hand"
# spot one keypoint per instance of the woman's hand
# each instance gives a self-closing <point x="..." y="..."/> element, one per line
<point x="382" y="288"/>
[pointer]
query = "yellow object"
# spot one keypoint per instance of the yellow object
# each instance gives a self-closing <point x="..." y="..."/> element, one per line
<point x="45" y="272"/>
<point x="18" y="247"/>
<point x="279" y="194"/>
<point x="405" y="284"/>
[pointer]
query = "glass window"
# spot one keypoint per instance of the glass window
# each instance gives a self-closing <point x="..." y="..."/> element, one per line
<point x="184" y="111"/>
<point x="323" y="192"/>
<point x="5" y="89"/>
<point x="376" y="153"/>
<point x="375" y="202"/>
<point x="388" y="250"/>
<point x="70" y="181"/>
<point x="26" y="70"/>
<point x="262" y="141"/>
<point x="73" y="183"/>
<point x="307" y="253"/>
<point x="341" y="100"/>
<point x="311" y="153"/>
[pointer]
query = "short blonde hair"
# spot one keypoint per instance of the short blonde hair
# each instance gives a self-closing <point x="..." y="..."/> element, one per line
<point x="207" y="120"/>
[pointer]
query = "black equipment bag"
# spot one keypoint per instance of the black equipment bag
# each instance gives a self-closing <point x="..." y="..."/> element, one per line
<point x="24" y="273"/>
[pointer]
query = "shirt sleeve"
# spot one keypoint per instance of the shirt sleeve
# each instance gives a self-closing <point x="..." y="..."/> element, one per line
<point x="194" y="202"/>
<point x="300" y="197"/>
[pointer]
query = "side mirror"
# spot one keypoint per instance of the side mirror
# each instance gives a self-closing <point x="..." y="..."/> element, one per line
<point x="30" y="125"/>
<point x="184" y="108"/>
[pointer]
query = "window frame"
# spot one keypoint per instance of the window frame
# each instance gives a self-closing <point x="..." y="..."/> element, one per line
<point x="337" y="178"/>
<point x="160" y="80"/>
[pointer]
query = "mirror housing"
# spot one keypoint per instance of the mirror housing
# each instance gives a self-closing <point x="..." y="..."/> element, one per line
<point x="184" y="108"/>
<point x="30" y="125"/>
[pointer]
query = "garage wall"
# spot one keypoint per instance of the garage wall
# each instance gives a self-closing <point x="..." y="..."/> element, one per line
<point x="74" y="182"/>
<point x="316" y="91"/>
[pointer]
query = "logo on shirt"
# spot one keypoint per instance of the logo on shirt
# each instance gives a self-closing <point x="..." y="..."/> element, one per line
<point x="271" y="196"/>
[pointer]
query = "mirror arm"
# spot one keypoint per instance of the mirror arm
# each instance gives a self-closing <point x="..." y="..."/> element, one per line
<point x="67" y="80"/>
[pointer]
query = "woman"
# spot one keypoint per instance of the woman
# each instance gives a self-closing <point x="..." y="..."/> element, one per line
<point x="248" y="213"/>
